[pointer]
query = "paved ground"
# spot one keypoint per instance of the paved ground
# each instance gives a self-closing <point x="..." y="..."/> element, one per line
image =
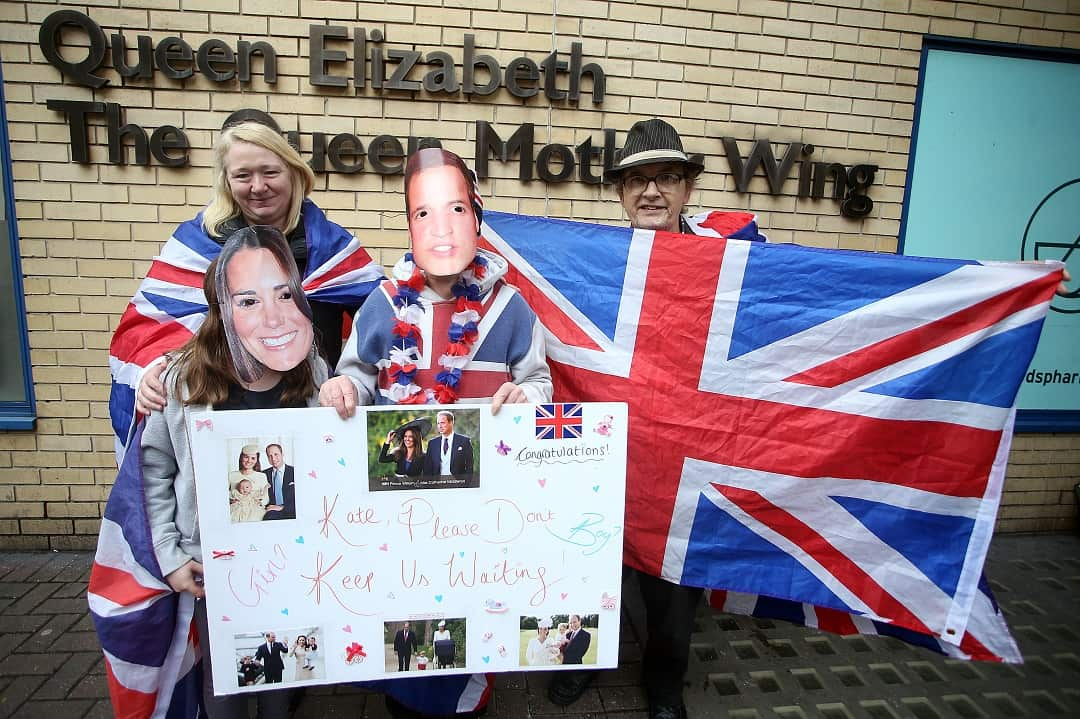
<point x="51" y="666"/>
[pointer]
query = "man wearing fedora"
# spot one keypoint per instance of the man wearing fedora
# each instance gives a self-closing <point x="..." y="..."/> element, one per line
<point x="654" y="178"/>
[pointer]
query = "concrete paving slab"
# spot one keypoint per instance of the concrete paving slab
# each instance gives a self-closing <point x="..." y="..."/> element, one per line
<point x="740" y="667"/>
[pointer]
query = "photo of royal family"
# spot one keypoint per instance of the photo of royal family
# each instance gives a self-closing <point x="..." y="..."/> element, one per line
<point x="418" y="645"/>
<point x="271" y="657"/>
<point x="263" y="485"/>
<point x="423" y="449"/>
<point x="553" y="640"/>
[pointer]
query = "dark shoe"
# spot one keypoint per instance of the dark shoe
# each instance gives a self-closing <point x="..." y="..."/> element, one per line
<point x="567" y="687"/>
<point x="667" y="711"/>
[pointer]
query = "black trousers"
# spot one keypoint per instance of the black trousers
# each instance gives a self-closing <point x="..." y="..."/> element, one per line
<point x="669" y="621"/>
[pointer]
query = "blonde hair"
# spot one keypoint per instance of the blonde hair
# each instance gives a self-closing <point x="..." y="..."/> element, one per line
<point x="222" y="206"/>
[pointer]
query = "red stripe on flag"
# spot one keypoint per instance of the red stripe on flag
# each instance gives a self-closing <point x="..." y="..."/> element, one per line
<point x="128" y="703"/>
<point x="934" y="334"/>
<point x="119" y="586"/>
<point x="141" y="339"/>
<point x="977" y="650"/>
<point x="357" y="260"/>
<point x="176" y="275"/>
<point x="839" y="565"/>
<point x="727" y="223"/>
<point x="835" y="621"/>
<point x="555" y="320"/>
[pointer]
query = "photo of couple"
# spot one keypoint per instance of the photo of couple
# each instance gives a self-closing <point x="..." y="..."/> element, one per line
<point x="560" y="639"/>
<point x="421" y="449"/>
<point x="424" y="644"/>
<point x="262" y="659"/>
<point x="263" y="485"/>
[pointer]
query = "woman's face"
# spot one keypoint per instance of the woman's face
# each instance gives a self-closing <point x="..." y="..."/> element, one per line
<point x="260" y="183"/>
<point x="247" y="462"/>
<point x="442" y="223"/>
<point x="409" y="441"/>
<point x="543" y="632"/>
<point x="267" y="321"/>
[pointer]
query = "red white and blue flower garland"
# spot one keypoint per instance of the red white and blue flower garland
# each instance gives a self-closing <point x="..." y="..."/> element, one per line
<point x="408" y="311"/>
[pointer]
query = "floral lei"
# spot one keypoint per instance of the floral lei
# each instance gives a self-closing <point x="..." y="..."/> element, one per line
<point x="401" y="365"/>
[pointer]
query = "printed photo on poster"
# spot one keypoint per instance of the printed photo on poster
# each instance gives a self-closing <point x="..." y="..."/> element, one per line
<point x="558" y="639"/>
<point x="263" y="485"/>
<point x="418" y="645"/>
<point x="423" y="449"/>
<point x="278" y="656"/>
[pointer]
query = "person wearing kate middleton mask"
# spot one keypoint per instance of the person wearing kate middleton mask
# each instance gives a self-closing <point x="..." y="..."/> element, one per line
<point x="254" y="351"/>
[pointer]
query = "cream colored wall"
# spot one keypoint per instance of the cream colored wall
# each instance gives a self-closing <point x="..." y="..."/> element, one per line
<point x="840" y="75"/>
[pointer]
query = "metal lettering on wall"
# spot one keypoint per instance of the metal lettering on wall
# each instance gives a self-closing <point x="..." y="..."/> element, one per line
<point x="372" y="65"/>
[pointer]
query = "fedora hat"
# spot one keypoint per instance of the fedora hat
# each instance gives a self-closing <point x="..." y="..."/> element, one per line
<point x="651" y="141"/>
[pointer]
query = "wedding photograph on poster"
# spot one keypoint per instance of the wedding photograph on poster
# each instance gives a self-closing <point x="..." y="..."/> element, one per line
<point x="278" y="656"/>
<point x="423" y="449"/>
<point x="262" y="487"/>
<point x="558" y="639"/>
<point x="418" y="645"/>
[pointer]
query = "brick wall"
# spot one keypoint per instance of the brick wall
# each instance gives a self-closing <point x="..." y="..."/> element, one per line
<point x="840" y="75"/>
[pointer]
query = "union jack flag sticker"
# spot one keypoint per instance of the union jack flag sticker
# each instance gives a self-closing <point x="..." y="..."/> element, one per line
<point x="558" y="421"/>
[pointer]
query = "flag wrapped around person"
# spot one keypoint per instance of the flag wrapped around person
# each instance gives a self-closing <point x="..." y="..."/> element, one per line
<point x="152" y="650"/>
<point x="169" y="304"/>
<point x="821" y="427"/>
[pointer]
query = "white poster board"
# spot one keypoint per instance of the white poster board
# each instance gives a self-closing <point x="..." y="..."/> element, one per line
<point x="530" y="532"/>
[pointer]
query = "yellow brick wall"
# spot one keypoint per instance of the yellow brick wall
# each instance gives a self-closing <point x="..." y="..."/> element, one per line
<point x="840" y="74"/>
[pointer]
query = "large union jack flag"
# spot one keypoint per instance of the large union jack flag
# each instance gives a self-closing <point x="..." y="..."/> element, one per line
<point x="823" y="428"/>
<point x="169" y="304"/>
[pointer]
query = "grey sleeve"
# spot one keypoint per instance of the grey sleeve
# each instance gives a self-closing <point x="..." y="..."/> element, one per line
<point x="160" y="472"/>
<point x="364" y="375"/>
<point x="531" y="371"/>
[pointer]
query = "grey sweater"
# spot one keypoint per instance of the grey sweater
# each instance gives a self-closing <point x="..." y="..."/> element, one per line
<point x="169" y="476"/>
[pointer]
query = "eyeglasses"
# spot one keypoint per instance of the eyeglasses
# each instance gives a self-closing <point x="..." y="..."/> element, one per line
<point x="665" y="181"/>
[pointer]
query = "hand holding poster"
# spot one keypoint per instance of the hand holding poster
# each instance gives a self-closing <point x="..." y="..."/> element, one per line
<point x="410" y="540"/>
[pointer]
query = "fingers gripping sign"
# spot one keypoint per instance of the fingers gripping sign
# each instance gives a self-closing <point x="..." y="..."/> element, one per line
<point x="339" y="393"/>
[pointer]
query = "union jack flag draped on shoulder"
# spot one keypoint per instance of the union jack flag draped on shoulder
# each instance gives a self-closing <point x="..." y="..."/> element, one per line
<point x="170" y="305"/>
<point x="821" y="433"/>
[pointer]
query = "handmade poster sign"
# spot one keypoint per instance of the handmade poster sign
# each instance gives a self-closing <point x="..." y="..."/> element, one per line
<point x="410" y="540"/>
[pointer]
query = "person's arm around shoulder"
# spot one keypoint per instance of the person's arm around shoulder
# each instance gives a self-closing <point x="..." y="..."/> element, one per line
<point x="150" y="394"/>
